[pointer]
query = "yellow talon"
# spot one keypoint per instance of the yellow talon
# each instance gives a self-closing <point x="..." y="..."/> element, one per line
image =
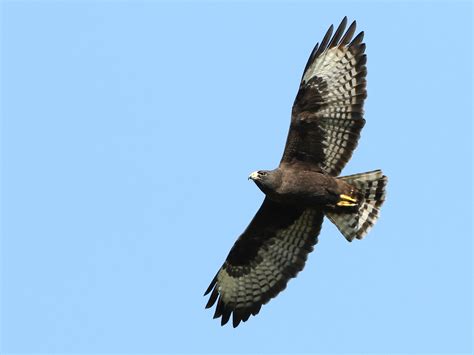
<point x="347" y="198"/>
<point x="345" y="204"/>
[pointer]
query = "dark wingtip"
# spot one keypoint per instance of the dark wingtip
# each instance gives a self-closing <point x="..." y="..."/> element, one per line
<point x="212" y="298"/>
<point x="207" y="291"/>
<point x="339" y="32"/>
<point x="349" y="33"/>
<point x="327" y="37"/>
<point x="339" y="38"/>
<point x="236" y="318"/>
<point x="358" y="39"/>
<point x="211" y="286"/>
<point x="325" y="41"/>
<point x="225" y="316"/>
<point x="310" y="59"/>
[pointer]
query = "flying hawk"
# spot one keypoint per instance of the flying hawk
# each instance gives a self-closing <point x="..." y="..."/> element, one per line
<point x="326" y="121"/>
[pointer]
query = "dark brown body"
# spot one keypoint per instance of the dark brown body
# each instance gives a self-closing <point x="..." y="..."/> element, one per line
<point x="302" y="187"/>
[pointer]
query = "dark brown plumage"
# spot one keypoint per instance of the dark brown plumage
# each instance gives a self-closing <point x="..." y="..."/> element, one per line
<point x="326" y="121"/>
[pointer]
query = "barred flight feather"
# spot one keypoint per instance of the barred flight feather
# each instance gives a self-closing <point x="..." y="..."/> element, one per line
<point x="332" y="89"/>
<point x="240" y="290"/>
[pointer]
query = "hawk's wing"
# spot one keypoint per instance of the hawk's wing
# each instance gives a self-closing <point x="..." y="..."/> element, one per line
<point x="272" y="250"/>
<point x="327" y="114"/>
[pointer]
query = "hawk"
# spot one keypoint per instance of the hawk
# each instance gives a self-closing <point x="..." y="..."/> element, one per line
<point x="326" y="121"/>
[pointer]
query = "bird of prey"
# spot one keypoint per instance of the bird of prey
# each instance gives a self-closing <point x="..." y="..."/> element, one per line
<point x="326" y="121"/>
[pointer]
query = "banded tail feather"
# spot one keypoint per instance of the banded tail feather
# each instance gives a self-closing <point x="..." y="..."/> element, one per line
<point x="371" y="190"/>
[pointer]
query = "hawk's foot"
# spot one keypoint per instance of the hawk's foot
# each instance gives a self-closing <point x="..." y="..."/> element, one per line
<point x="346" y="201"/>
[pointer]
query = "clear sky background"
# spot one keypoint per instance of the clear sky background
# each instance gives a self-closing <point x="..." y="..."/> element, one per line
<point x="129" y="130"/>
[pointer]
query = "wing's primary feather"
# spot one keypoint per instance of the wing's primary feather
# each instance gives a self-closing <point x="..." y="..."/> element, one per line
<point x="327" y="114"/>
<point x="271" y="251"/>
<point x="337" y="36"/>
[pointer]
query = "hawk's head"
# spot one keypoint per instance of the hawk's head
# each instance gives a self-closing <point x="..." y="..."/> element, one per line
<point x="266" y="180"/>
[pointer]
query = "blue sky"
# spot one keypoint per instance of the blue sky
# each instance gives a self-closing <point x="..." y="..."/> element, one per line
<point x="129" y="130"/>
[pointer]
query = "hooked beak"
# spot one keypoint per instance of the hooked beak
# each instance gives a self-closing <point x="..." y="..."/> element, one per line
<point x="254" y="176"/>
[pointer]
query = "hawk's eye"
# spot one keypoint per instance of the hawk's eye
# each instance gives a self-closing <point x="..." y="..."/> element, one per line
<point x="263" y="173"/>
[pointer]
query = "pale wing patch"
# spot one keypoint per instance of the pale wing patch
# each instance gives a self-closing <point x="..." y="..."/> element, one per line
<point x="331" y="63"/>
<point x="339" y="138"/>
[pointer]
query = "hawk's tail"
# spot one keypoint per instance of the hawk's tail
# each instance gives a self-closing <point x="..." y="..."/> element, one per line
<point x="371" y="195"/>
